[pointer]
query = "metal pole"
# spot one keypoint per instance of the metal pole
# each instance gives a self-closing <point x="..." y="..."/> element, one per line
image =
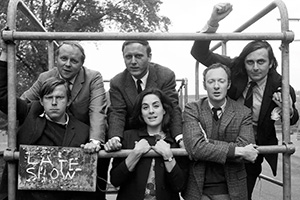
<point x="290" y="149"/>
<point x="15" y="35"/>
<point x="286" y="161"/>
<point x="50" y="54"/>
<point x="251" y="21"/>
<point x="186" y="94"/>
<point x="11" y="72"/>
<point x="197" y="82"/>
<point x="224" y="48"/>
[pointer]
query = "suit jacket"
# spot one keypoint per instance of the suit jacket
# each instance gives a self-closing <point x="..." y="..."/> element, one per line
<point x="235" y="130"/>
<point x="123" y="93"/>
<point x="266" y="133"/>
<point x="133" y="184"/>
<point x="31" y="125"/>
<point x="88" y="101"/>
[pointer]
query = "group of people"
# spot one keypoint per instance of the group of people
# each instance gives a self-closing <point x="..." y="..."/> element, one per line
<point x="68" y="106"/>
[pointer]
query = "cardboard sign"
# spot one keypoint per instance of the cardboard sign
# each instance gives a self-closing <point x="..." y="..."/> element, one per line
<point x="56" y="168"/>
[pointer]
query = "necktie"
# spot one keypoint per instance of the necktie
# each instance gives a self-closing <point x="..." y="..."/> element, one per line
<point x="249" y="96"/>
<point x="215" y="113"/>
<point x="139" y="87"/>
<point x="70" y="85"/>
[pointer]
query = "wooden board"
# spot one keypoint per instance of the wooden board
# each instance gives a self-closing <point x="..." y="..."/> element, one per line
<point x="56" y="168"/>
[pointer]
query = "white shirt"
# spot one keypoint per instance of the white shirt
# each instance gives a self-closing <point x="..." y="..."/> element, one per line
<point x="143" y="79"/>
<point x="219" y="112"/>
<point x="258" y="92"/>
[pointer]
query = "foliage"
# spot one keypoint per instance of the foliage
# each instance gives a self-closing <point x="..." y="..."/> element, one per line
<point x="78" y="16"/>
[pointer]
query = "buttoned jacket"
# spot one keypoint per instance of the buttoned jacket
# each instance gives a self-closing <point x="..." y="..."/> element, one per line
<point x="235" y="130"/>
<point x="266" y="133"/>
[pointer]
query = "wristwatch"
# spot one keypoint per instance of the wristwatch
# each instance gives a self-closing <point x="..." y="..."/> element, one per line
<point x="169" y="159"/>
<point x="178" y="142"/>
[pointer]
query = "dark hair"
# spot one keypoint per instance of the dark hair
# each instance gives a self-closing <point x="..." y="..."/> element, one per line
<point x="137" y="119"/>
<point x="73" y="44"/>
<point x="215" y="66"/>
<point x="249" y="48"/>
<point x="50" y="84"/>
<point x="142" y="42"/>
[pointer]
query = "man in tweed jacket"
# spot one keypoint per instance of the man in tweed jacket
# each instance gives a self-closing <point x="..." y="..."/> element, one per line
<point x="218" y="146"/>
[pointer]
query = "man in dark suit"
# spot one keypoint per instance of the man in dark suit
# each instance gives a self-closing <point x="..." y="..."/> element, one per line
<point x="45" y="122"/>
<point x="139" y="74"/>
<point x="256" y="66"/>
<point x="88" y="98"/>
<point x="218" y="133"/>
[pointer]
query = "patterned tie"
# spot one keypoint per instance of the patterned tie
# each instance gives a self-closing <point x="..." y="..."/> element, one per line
<point x="215" y="113"/>
<point x="150" y="190"/>
<point x="139" y="87"/>
<point x="249" y="96"/>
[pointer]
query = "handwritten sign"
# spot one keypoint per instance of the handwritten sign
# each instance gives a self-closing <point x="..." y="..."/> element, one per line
<point x="56" y="168"/>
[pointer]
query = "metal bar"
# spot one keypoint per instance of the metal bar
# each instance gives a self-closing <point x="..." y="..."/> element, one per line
<point x="272" y="180"/>
<point x="50" y="55"/>
<point x="186" y="95"/>
<point x="286" y="161"/>
<point x="197" y="82"/>
<point x="11" y="72"/>
<point x="290" y="149"/>
<point x="254" y="19"/>
<point x="224" y="48"/>
<point x="17" y="35"/>
<point x="181" y="103"/>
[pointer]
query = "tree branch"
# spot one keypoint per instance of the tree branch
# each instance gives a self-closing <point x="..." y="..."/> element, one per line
<point x="67" y="17"/>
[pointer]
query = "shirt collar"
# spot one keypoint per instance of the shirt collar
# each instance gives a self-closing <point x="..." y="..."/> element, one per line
<point x="143" y="79"/>
<point x="260" y="83"/>
<point x="222" y="106"/>
<point x="61" y="123"/>
<point x="70" y="81"/>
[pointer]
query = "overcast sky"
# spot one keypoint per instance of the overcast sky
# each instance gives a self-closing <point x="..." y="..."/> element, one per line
<point x="189" y="16"/>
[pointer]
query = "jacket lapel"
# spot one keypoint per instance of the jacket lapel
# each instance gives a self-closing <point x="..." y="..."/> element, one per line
<point x="226" y="118"/>
<point x="206" y="117"/>
<point x="152" y="77"/>
<point x="79" y="81"/>
<point x="130" y="88"/>
<point x="267" y="99"/>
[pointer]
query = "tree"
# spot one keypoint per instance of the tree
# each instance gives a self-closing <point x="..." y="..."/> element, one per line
<point x="78" y="16"/>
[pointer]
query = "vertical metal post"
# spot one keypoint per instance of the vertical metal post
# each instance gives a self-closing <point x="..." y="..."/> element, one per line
<point x="197" y="81"/>
<point x="181" y="103"/>
<point x="224" y="48"/>
<point x="286" y="165"/>
<point x="286" y="162"/>
<point x="50" y="54"/>
<point x="11" y="72"/>
<point x="186" y="94"/>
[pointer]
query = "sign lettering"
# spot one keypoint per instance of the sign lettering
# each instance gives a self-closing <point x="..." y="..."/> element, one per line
<point x="56" y="168"/>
